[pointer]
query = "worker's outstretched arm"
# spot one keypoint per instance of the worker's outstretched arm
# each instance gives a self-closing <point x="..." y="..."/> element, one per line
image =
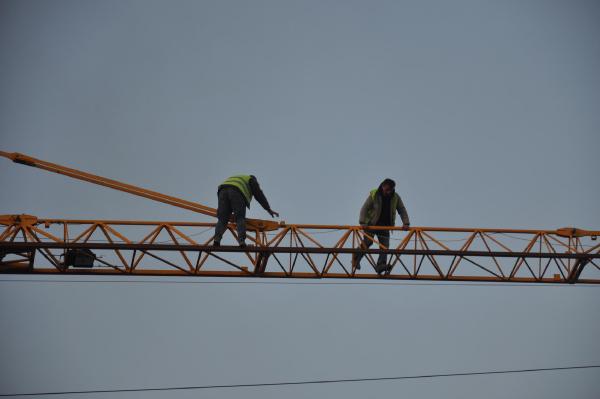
<point x="260" y="197"/>
<point x="364" y="211"/>
<point x="403" y="214"/>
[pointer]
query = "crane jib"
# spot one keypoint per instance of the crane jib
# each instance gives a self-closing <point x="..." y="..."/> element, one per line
<point x="29" y="244"/>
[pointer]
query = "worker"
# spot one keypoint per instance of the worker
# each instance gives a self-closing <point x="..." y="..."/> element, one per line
<point x="380" y="209"/>
<point x="234" y="195"/>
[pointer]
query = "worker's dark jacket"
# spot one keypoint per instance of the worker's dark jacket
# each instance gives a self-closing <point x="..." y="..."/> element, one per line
<point x="371" y="209"/>
<point x="253" y="188"/>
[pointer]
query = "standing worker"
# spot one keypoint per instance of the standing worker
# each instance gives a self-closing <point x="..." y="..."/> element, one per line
<point x="380" y="210"/>
<point x="235" y="194"/>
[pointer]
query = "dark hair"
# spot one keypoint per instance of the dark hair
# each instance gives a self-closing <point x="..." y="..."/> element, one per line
<point x="388" y="182"/>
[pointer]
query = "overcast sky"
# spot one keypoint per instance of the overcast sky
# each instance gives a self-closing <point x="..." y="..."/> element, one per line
<point x="486" y="113"/>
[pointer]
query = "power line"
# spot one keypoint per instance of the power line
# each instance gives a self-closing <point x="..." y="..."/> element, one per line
<point x="414" y="284"/>
<point x="308" y="382"/>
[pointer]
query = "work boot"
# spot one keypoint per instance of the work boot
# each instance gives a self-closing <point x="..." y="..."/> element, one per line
<point x="381" y="268"/>
<point x="242" y="243"/>
<point x="217" y="243"/>
<point x="355" y="262"/>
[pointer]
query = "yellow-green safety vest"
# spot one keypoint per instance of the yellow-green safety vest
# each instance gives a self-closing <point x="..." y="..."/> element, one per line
<point x="241" y="182"/>
<point x="393" y="206"/>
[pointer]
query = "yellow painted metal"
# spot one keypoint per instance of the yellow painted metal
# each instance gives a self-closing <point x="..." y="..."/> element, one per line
<point x="21" y="220"/>
<point x="574" y="232"/>
<point x="252" y="224"/>
<point x="451" y="254"/>
<point x="538" y="255"/>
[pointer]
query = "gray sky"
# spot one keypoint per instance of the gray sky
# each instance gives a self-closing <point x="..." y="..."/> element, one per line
<point x="485" y="113"/>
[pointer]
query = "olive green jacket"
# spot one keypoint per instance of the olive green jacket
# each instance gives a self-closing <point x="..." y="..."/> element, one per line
<point x="371" y="209"/>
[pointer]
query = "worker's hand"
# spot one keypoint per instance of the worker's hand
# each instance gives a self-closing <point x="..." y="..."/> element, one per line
<point x="273" y="213"/>
<point x="405" y="226"/>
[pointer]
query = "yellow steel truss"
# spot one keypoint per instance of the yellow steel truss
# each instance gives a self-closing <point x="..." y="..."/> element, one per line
<point x="29" y="244"/>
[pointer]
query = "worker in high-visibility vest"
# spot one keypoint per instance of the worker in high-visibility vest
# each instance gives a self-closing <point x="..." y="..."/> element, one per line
<point x="380" y="209"/>
<point x="234" y="195"/>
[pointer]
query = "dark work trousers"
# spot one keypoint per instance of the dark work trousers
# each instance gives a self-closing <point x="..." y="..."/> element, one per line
<point x="231" y="200"/>
<point x="383" y="236"/>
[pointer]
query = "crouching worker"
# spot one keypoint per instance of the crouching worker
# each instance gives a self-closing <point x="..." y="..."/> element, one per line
<point x="380" y="209"/>
<point x="235" y="194"/>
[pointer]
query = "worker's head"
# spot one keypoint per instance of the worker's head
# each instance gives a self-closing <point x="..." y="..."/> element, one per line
<point x="387" y="187"/>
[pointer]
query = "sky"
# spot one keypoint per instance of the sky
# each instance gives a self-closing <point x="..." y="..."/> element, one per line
<point x="485" y="113"/>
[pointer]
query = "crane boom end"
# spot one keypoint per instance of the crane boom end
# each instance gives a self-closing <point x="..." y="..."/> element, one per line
<point x="575" y="232"/>
<point x="19" y="158"/>
<point x="8" y="155"/>
<point x="21" y="220"/>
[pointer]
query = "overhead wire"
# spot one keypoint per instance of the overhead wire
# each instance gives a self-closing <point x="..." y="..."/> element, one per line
<point x="306" y="382"/>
